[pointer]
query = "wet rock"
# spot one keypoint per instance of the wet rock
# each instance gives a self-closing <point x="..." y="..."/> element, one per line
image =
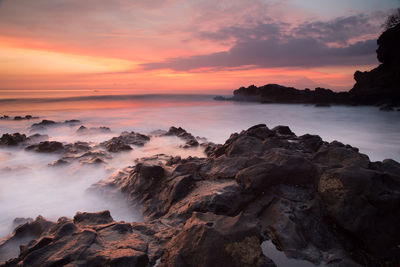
<point x="43" y="124"/>
<point x="85" y="218"/>
<point x="190" y="140"/>
<point x="123" y="142"/>
<point x="283" y="130"/>
<point x="317" y="201"/>
<point x="116" y="146"/>
<point x="18" y="118"/>
<point x="211" y="240"/>
<point x="12" y="139"/>
<point x="47" y="147"/>
<point x="91" y="239"/>
<point x="376" y="208"/>
<point x="30" y="230"/>
<point x="93" y="130"/>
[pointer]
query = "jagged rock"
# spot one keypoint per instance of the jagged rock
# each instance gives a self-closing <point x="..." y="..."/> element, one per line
<point x="93" y="130"/>
<point x="9" y="247"/>
<point x="190" y="140"/>
<point x="47" y="147"/>
<point x="116" y="146"/>
<point x="207" y="239"/>
<point x="318" y="201"/>
<point x="274" y="93"/>
<point x="123" y="142"/>
<point x="12" y="139"/>
<point x="382" y="84"/>
<point x="91" y="239"/>
<point x="43" y="124"/>
<point x="283" y="130"/>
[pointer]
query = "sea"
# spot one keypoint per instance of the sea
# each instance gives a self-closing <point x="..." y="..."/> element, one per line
<point x="29" y="187"/>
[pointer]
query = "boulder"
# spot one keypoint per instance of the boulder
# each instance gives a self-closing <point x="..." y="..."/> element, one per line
<point x="47" y="147"/>
<point x="12" y="139"/>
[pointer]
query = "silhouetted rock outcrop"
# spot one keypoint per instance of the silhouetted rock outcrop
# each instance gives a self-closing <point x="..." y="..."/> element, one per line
<point x="274" y="93"/>
<point x="376" y="87"/>
<point x="382" y="84"/>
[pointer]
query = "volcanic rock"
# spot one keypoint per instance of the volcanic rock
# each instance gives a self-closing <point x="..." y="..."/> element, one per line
<point x="47" y="147"/>
<point x="317" y="201"/>
<point x="12" y="139"/>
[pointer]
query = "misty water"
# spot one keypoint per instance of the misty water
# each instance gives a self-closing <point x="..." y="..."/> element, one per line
<point x="29" y="187"/>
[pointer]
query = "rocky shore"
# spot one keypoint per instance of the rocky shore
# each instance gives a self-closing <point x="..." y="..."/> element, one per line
<point x="322" y="202"/>
<point x="380" y="86"/>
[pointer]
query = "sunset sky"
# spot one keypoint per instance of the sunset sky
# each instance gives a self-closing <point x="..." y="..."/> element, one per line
<point x="67" y="47"/>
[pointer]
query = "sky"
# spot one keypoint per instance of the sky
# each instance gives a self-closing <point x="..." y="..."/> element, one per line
<point x="69" y="47"/>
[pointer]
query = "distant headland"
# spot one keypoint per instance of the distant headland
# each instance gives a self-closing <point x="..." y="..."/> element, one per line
<point x="380" y="86"/>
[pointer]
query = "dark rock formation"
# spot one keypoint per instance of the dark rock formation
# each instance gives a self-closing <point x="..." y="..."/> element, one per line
<point x="90" y="239"/>
<point x="18" y="118"/>
<point x="382" y="84"/>
<point x="376" y="87"/>
<point x="190" y="140"/>
<point x="47" y="147"/>
<point x="274" y="93"/>
<point x="44" y="124"/>
<point x="318" y="201"/>
<point x="12" y="139"/>
<point x="93" y="130"/>
<point x="123" y="142"/>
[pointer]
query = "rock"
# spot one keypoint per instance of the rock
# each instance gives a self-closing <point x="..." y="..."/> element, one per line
<point x="12" y="139"/>
<point x="47" y="147"/>
<point x="9" y="247"/>
<point x="85" y="218"/>
<point x="116" y="146"/>
<point x="91" y="239"/>
<point x="190" y="140"/>
<point x="43" y="124"/>
<point x="93" y="130"/>
<point x="274" y="93"/>
<point x="26" y="117"/>
<point x="123" y="142"/>
<point x="283" y="130"/>
<point x="381" y="85"/>
<point x="378" y="86"/>
<point x="211" y="240"/>
<point x="317" y="201"/>
<point x="376" y="209"/>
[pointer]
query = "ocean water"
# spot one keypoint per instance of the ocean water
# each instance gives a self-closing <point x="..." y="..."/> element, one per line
<point x="29" y="187"/>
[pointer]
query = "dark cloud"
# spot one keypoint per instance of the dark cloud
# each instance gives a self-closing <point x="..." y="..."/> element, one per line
<point x="259" y="31"/>
<point x="270" y="53"/>
<point x="339" y="30"/>
<point x="271" y="44"/>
